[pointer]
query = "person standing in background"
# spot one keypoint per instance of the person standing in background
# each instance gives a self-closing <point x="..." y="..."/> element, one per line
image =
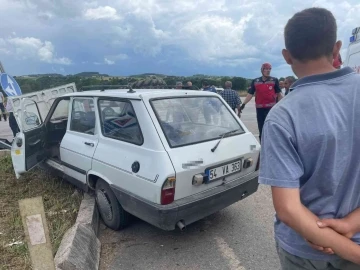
<point x="179" y="85"/>
<point x="189" y="86"/>
<point x="282" y="87"/>
<point x="231" y="97"/>
<point x="288" y="82"/>
<point x="207" y="87"/>
<point x="268" y="92"/>
<point x="12" y="121"/>
<point x="2" y="108"/>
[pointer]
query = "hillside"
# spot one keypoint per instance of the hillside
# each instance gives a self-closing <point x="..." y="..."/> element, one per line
<point x="36" y="82"/>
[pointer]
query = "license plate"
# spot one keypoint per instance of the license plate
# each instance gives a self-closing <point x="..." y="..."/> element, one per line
<point x="223" y="170"/>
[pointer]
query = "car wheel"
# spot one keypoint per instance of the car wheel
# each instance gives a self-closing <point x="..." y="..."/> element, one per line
<point x="111" y="212"/>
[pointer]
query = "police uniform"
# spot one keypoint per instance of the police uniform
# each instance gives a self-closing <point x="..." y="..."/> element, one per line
<point x="265" y="98"/>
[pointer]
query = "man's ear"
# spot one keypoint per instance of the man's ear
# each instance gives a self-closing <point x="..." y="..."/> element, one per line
<point x="337" y="48"/>
<point x="287" y="56"/>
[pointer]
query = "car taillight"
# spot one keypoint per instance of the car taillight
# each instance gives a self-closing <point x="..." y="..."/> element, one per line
<point x="168" y="191"/>
<point x="258" y="163"/>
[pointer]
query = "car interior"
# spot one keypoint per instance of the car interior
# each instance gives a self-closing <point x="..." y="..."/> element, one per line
<point x="56" y="129"/>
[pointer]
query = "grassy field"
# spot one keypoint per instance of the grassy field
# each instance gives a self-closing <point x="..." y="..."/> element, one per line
<point x="61" y="202"/>
<point x="242" y="93"/>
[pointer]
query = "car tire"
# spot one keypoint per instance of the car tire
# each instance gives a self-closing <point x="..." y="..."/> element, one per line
<point x="111" y="211"/>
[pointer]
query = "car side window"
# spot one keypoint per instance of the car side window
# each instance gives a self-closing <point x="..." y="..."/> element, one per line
<point x="61" y="111"/>
<point x="83" y="116"/>
<point x="118" y="121"/>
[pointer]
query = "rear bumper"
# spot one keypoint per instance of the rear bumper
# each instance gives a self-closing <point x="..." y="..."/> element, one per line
<point x="189" y="209"/>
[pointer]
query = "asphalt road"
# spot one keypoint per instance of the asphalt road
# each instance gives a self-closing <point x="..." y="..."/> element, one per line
<point x="238" y="237"/>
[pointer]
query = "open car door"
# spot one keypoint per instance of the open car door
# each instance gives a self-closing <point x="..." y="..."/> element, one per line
<point x="28" y="147"/>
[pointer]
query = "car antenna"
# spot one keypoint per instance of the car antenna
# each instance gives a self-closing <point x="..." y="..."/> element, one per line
<point x="131" y="90"/>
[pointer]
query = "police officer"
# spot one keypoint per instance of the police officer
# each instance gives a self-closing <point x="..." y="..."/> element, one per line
<point x="267" y="93"/>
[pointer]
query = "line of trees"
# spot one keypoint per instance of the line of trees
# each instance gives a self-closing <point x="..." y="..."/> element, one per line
<point x="32" y="84"/>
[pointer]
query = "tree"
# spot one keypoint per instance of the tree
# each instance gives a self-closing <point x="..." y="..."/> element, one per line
<point x="239" y="83"/>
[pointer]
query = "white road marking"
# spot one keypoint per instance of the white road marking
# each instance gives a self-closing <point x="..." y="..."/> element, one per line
<point x="229" y="254"/>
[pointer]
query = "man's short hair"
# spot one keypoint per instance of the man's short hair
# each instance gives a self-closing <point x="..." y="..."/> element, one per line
<point x="228" y="84"/>
<point x="291" y="78"/>
<point x="311" y="34"/>
<point x="205" y="83"/>
<point x="178" y="83"/>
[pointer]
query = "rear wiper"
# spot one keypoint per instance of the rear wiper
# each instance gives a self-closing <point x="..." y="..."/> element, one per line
<point x="223" y="136"/>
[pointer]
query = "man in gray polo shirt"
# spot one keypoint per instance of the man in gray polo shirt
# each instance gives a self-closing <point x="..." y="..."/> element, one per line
<point x="310" y="151"/>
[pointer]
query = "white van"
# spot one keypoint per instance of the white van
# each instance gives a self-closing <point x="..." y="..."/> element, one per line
<point x="353" y="53"/>
<point x="168" y="157"/>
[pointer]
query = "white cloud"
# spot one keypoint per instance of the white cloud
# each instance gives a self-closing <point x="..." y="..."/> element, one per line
<point x="112" y="59"/>
<point x="211" y="34"/>
<point x="30" y="47"/>
<point x="99" y="13"/>
<point x="109" y="62"/>
<point x="215" y="38"/>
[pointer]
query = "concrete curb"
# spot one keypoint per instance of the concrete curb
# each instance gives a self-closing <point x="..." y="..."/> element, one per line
<point x="80" y="247"/>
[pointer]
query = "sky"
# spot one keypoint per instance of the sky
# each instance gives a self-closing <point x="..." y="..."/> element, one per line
<point x="182" y="37"/>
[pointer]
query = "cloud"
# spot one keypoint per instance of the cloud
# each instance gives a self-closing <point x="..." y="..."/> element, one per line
<point x="99" y="13"/>
<point x="214" y="39"/>
<point x="230" y="37"/>
<point x="30" y="47"/>
<point x="113" y="59"/>
<point x="121" y="56"/>
<point x="108" y="62"/>
<point x="49" y="9"/>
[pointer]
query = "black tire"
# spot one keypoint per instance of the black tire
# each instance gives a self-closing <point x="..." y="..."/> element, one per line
<point x="111" y="212"/>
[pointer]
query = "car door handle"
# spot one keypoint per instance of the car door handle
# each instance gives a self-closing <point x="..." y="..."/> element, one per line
<point x="35" y="143"/>
<point x="89" y="143"/>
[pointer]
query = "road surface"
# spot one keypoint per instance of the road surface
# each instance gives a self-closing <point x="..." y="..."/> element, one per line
<point x="239" y="237"/>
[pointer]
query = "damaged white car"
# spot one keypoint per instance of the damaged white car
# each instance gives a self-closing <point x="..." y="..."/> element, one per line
<point x="168" y="157"/>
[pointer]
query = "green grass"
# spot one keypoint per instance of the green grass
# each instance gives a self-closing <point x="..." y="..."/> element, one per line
<point x="61" y="208"/>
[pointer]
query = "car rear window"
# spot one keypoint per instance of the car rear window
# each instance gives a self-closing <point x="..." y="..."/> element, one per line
<point x="190" y="120"/>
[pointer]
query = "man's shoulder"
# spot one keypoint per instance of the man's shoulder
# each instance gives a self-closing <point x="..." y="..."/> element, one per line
<point x="282" y="111"/>
<point x="234" y="92"/>
<point x="272" y="79"/>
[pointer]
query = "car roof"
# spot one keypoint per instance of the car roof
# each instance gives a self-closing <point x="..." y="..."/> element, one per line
<point x="141" y="93"/>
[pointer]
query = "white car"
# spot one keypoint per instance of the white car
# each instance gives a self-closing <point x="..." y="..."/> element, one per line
<point x="168" y="157"/>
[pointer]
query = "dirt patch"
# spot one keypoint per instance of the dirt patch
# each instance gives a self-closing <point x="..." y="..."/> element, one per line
<point x="61" y="202"/>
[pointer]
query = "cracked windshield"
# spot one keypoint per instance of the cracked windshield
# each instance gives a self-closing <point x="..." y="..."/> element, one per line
<point x="191" y="120"/>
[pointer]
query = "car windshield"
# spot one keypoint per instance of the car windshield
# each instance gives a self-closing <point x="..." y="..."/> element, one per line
<point x="190" y="120"/>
